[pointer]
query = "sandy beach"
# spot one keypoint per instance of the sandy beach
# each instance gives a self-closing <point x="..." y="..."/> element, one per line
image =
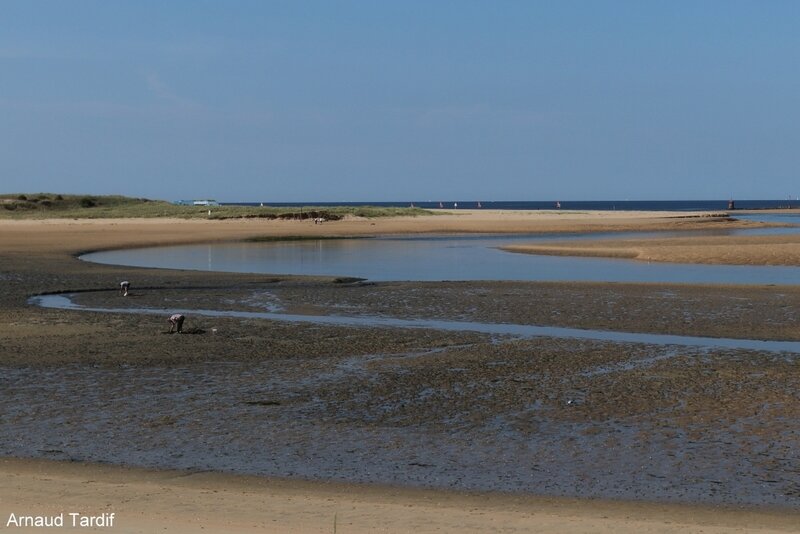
<point x="169" y="501"/>
<point x="71" y="235"/>
<point x="324" y="383"/>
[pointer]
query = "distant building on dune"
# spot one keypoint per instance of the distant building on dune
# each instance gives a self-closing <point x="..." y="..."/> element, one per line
<point x="205" y="202"/>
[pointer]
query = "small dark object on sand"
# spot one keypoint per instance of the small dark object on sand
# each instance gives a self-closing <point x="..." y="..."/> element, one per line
<point x="262" y="403"/>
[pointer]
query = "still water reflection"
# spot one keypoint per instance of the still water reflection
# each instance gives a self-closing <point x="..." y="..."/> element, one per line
<point x="444" y="258"/>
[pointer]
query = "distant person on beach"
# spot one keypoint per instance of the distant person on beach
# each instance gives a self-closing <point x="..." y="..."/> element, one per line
<point x="123" y="288"/>
<point x="176" y="322"/>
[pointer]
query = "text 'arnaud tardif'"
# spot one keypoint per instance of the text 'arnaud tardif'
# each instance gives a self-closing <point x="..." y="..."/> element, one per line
<point x="69" y="519"/>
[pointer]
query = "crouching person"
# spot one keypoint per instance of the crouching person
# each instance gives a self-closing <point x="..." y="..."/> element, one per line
<point x="176" y="322"/>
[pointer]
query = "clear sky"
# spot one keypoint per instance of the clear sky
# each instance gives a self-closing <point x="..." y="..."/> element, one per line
<point x="401" y="100"/>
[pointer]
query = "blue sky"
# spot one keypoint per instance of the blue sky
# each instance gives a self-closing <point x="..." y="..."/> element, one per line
<point x="412" y="100"/>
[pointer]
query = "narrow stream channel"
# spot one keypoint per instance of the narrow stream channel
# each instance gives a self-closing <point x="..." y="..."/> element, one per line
<point x="519" y="330"/>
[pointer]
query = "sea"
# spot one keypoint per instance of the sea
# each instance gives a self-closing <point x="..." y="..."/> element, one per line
<point x="601" y="205"/>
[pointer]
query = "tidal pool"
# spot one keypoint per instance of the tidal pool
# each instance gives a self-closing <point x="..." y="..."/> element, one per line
<point x="434" y="259"/>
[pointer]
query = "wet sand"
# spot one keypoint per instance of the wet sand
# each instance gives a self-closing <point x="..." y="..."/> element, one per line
<point x="468" y="412"/>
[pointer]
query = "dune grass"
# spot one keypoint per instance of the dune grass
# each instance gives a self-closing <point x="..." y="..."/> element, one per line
<point x="54" y="206"/>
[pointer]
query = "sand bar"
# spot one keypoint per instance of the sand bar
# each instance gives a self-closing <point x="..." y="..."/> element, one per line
<point x="71" y="236"/>
<point x="714" y="250"/>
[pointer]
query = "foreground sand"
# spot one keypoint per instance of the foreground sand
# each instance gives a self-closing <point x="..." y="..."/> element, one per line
<point x="169" y="501"/>
<point x="35" y="256"/>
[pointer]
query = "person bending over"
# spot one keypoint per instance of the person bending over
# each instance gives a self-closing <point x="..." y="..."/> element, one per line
<point x="176" y="322"/>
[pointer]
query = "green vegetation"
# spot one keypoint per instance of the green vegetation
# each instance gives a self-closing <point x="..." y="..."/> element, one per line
<point x="54" y="206"/>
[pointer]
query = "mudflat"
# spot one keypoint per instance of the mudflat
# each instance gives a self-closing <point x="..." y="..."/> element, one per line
<point x="392" y="408"/>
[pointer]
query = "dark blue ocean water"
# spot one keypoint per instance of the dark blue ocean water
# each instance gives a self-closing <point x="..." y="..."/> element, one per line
<point x="605" y="205"/>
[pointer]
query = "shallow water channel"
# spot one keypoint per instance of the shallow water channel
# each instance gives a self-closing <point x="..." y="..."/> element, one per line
<point x="516" y="330"/>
